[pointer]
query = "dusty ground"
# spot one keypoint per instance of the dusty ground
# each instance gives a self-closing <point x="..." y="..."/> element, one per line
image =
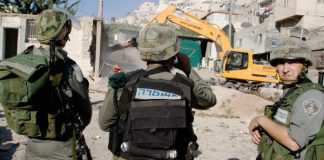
<point x="222" y="130"/>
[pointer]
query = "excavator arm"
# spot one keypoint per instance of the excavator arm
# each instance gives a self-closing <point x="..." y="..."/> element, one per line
<point x="196" y="25"/>
<point x="233" y="68"/>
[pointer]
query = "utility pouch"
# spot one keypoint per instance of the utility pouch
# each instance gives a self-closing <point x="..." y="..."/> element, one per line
<point x="265" y="147"/>
<point x="319" y="151"/>
<point x="270" y="110"/>
<point x="281" y="153"/>
<point x="28" y="122"/>
<point x="57" y="127"/>
<point x="115" y="137"/>
<point x="154" y="124"/>
<point x="315" y="152"/>
<point x="271" y="150"/>
<point x="22" y="121"/>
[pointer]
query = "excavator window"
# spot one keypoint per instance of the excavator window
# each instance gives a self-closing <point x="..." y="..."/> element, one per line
<point x="236" y="61"/>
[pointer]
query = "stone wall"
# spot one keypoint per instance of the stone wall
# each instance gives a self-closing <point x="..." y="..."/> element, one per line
<point x="79" y="45"/>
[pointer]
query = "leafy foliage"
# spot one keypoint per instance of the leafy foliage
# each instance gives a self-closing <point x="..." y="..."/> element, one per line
<point x="36" y="6"/>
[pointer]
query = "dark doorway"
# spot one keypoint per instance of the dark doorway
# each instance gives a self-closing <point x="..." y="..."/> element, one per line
<point x="10" y="42"/>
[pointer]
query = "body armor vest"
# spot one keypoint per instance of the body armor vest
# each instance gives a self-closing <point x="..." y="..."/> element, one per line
<point x="269" y="149"/>
<point x="155" y="119"/>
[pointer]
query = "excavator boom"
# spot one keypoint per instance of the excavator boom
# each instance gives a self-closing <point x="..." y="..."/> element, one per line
<point x="237" y="64"/>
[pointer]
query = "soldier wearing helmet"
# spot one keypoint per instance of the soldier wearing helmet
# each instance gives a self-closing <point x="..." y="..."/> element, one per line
<point x="154" y="93"/>
<point x="66" y="94"/>
<point x="292" y="128"/>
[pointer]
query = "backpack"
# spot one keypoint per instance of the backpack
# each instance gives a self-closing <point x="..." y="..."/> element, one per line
<point x="155" y="118"/>
<point x="24" y="81"/>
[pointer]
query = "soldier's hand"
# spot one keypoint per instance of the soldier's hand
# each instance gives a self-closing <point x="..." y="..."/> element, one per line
<point x="183" y="63"/>
<point x="253" y="129"/>
<point x="256" y="137"/>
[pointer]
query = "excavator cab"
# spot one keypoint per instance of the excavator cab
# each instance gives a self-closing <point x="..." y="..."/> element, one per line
<point x="241" y="72"/>
<point x="236" y="61"/>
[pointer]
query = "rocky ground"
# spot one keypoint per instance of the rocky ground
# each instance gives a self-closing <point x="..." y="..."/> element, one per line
<point x="222" y="130"/>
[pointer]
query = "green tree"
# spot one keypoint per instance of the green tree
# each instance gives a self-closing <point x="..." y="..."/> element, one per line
<point x="36" y="6"/>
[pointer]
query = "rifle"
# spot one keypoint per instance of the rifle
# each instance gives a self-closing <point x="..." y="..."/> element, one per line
<point x="55" y="74"/>
<point x="52" y="61"/>
<point x="82" y="149"/>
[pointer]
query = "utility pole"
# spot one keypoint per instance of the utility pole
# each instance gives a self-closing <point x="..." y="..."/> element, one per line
<point x="98" y="38"/>
<point x="230" y="22"/>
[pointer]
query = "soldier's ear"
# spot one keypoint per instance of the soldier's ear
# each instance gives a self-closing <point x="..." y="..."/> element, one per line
<point x="305" y="68"/>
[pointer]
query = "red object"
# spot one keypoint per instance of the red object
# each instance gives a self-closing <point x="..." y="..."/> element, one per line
<point x="117" y="69"/>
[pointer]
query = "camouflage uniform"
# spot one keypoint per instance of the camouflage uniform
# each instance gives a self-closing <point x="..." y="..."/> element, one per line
<point x="158" y="43"/>
<point x="300" y="109"/>
<point x="54" y="26"/>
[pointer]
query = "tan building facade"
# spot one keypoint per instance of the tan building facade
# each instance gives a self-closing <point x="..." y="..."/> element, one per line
<point x="17" y="32"/>
<point x="284" y="18"/>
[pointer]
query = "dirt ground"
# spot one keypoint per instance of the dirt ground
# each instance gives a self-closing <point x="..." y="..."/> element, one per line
<point x="222" y="130"/>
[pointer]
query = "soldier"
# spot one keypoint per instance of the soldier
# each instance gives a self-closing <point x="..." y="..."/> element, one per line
<point x="292" y="128"/>
<point x="59" y="108"/>
<point x="148" y="113"/>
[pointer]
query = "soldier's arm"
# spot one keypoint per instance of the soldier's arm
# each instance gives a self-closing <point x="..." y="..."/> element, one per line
<point x="203" y="96"/>
<point x="81" y="100"/>
<point x="276" y="131"/>
<point x="107" y="113"/>
<point x="302" y="127"/>
<point x="308" y="115"/>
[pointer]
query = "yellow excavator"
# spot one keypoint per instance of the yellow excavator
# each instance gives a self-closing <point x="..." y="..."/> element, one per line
<point x="238" y="69"/>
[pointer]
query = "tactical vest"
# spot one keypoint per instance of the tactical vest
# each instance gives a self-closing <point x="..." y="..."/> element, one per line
<point x="32" y="106"/>
<point x="155" y="119"/>
<point x="270" y="149"/>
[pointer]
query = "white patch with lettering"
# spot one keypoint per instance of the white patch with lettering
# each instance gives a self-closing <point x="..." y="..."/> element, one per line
<point x="281" y="116"/>
<point x="78" y="73"/>
<point x="311" y="107"/>
<point x="147" y="93"/>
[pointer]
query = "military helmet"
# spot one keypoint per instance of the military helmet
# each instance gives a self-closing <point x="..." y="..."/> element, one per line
<point x="52" y="24"/>
<point x="158" y="42"/>
<point x="291" y="49"/>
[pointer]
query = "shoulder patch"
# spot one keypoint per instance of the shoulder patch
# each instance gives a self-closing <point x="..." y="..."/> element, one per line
<point x="311" y="107"/>
<point x="78" y="73"/>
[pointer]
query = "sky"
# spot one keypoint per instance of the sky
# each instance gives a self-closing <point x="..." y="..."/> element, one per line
<point x="111" y="8"/>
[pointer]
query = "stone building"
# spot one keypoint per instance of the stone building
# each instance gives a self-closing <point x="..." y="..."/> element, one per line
<point x="278" y="19"/>
<point x="17" y="32"/>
